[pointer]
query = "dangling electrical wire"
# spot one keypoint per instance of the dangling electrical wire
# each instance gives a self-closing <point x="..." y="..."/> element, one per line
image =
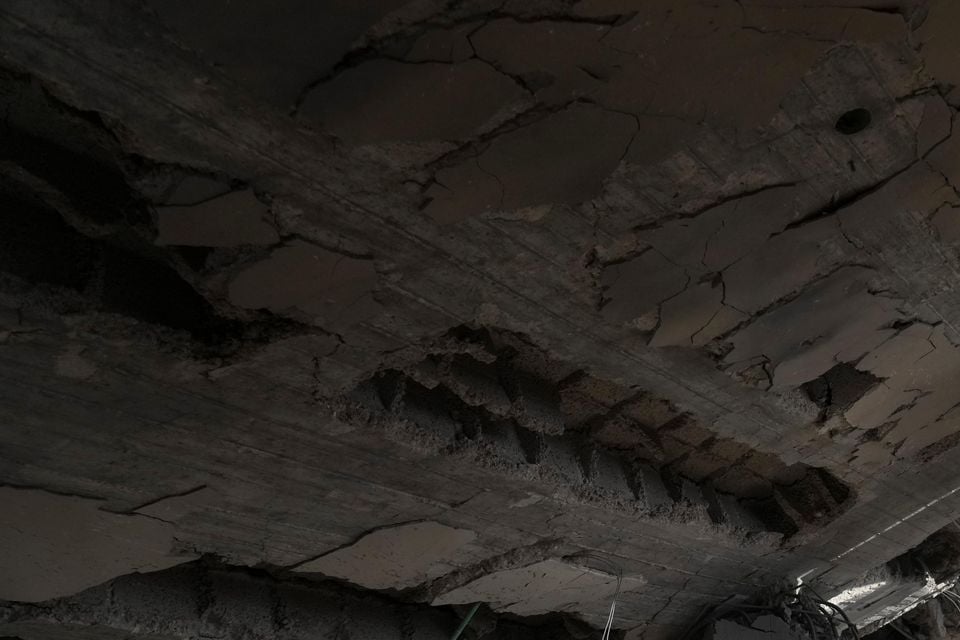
<point x="801" y="608"/>
<point x="617" y="570"/>
<point x="466" y="622"/>
<point x="608" y="629"/>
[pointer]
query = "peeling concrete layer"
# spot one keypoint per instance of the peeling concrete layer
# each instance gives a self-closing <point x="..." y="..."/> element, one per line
<point x="57" y="545"/>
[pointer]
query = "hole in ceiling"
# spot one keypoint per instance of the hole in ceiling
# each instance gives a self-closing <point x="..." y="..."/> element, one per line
<point x="853" y="121"/>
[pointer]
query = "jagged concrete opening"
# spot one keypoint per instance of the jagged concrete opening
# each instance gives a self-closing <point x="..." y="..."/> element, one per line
<point x="838" y="389"/>
<point x="493" y="397"/>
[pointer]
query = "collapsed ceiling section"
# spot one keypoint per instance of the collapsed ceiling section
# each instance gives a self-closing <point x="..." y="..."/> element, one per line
<point x="532" y="304"/>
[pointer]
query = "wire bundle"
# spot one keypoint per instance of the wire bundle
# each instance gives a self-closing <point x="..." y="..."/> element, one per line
<point x="803" y="610"/>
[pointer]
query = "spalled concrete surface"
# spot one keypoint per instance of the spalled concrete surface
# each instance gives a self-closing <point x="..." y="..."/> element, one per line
<point x="663" y="283"/>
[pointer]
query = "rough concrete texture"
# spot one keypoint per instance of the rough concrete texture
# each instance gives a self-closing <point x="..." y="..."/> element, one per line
<point x="670" y="284"/>
<point x="768" y="627"/>
<point x="197" y="600"/>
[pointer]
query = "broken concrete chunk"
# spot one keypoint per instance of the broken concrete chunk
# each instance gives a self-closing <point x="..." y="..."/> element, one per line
<point x="226" y="221"/>
<point x="836" y="319"/>
<point x="302" y="277"/>
<point x="384" y="100"/>
<point x="397" y="557"/>
<point x="913" y="408"/>
<point x="548" y="585"/>
<point x="64" y="544"/>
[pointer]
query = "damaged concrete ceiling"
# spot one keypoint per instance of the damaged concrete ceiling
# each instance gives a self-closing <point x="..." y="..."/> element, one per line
<point x="473" y="301"/>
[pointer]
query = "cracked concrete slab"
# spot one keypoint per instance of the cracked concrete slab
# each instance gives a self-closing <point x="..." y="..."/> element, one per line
<point x="65" y="544"/>
<point x="557" y="61"/>
<point x="385" y="101"/>
<point x="563" y="157"/>
<point x="834" y="320"/>
<point x="294" y="45"/>
<point x="224" y="221"/>
<point x="399" y="557"/>
<point x="548" y="585"/>
<point x="636" y="286"/>
<point x="332" y="287"/>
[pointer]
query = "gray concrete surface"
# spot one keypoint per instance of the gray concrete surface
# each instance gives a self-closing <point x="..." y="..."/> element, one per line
<point x="668" y="284"/>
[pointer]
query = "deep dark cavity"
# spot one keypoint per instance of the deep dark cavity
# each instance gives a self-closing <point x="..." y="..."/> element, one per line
<point x="853" y="121"/>
<point x="838" y="389"/>
<point x="516" y="411"/>
<point x="39" y="247"/>
<point x="70" y="219"/>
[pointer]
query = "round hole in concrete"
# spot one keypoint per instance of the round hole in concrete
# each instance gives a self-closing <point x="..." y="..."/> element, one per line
<point x="853" y="121"/>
